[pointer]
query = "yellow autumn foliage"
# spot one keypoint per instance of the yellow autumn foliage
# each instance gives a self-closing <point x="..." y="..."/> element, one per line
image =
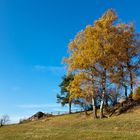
<point x="96" y="51"/>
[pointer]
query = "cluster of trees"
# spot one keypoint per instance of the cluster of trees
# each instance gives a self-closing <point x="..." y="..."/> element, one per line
<point x="104" y="58"/>
<point x="64" y="96"/>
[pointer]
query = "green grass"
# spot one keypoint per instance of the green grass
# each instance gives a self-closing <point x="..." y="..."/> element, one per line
<point x="76" y="127"/>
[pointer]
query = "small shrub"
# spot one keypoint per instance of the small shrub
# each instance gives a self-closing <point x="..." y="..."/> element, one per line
<point x="22" y="121"/>
<point x="136" y="94"/>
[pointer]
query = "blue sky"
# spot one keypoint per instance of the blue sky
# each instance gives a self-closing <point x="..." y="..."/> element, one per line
<point x="34" y="35"/>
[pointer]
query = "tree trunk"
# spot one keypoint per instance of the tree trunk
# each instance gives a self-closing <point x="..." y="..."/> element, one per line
<point x="1" y="122"/>
<point x="70" y="107"/>
<point x="85" y="112"/>
<point x="101" y="109"/>
<point x="125" y="88"/>
<point x="84" y="107"/>
<point x="131" y="83"/>
<point x="103" y="94"/>
<point x="106" y="101"/>
<point x="131" y="79"/>
<point x="123" y="81"/>
<point x="94" y="107"/>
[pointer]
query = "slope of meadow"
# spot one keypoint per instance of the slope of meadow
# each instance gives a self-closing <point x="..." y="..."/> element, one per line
<point x="76" y="127"/>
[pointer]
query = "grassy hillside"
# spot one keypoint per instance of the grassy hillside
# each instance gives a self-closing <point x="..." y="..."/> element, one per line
<point x="76" y="127"/>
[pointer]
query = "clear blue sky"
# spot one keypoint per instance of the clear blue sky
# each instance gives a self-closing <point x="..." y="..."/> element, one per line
<point x="34" y="35"/>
